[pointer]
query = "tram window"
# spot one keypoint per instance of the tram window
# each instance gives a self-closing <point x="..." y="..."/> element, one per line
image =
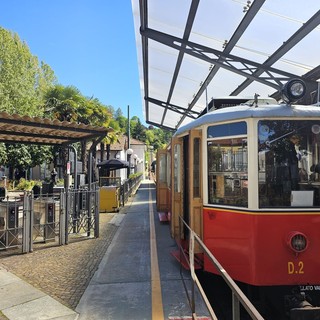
<point x="288" y="162"/>
<point x="168" y="170"/>
<point x="229" y="129"/>
<point x="196" y="168"/>
<point x="163" y="168"/>
<point x="228" y="171"/>
<point x="177" y="166"/>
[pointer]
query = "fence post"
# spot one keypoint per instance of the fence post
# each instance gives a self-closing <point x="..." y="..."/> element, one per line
<point x="66" y="216"/>
<point x="62" y="220"/>
<point x="31" y="211"/>
<point x="96" y="213"/>
<point x="193" y="277"/>
<point x="235" y="307"/>
<point x="27" y="225"/>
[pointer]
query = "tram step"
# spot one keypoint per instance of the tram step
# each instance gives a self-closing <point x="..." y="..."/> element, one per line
<point x="163" y="216"/>
<point x="183" y="259"/>
<point x="312" y="313"/>
<point x="189" y="318"/>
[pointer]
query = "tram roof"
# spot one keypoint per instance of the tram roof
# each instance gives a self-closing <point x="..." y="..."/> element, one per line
<point x="245" y="112"/>
<point x="190" y="51"/>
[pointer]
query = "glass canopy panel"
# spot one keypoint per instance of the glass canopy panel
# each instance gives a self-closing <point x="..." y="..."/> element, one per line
<point x="214" y="23"/>
<point x="223" y="83"/>
<point x="189" y="81"/>
<point x="162" y="61"/>
<point x="211" y="16"/>
<point x="168" y="16"/>
<point x="185" y="121"/>
<point x="291" y="61"/>
<point x="171" y="119"/>
<point x="155" y="112"/>
<point x="259" y="88"/>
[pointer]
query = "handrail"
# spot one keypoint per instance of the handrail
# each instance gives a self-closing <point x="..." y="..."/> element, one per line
<point x="237" y="294"/>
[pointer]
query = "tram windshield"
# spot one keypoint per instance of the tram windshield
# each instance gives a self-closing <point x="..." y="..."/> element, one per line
<point x="228" y="164"/>
<point x="289" y="163"/>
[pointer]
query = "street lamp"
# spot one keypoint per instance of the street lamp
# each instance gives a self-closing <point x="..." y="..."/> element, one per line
<point x="129" y="153"/>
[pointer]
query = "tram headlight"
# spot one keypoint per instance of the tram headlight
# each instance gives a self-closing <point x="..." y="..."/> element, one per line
<point x="297" y="241"/>
<point x="293" y="90"/>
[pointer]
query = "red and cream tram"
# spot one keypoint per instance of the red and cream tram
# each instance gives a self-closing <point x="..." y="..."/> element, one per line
<point x="246" y="179"/>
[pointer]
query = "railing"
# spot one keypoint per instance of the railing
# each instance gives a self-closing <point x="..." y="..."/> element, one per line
<point x="129" y="187"/>
<point x="125" y="190"/>
<point x="238" y="297"/>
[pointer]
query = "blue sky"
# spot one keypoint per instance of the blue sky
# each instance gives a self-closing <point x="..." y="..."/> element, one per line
<point x="89" y="44"/>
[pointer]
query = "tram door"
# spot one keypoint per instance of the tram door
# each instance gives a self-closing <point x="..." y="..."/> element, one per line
<point x="176" y="187"/>
<point x="186" y="185"/>
<point x="162" y="183"/>
<point x="194" y="185"/>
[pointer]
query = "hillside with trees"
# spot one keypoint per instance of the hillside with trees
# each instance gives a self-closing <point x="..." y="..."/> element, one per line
<point x="29" y="87"/>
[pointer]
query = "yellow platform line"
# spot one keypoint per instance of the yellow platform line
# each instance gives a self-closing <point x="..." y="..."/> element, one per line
<point x="156" y="294"/>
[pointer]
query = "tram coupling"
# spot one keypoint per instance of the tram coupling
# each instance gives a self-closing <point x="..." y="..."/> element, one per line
<point x="299" y="307"/>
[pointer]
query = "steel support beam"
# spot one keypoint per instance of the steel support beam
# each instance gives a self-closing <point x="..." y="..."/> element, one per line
<point x="273" y="77"/>
<point x="306" y="28"/>
<point x="245" y="22"/>
<point x="143" y="5"/>
<point x="169" y="106"/>
<point x="186" y="35"/>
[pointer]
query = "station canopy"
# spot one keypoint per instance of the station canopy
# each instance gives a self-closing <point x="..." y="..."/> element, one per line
<point x="34" y="130"/>
<point x="190" y="51"/>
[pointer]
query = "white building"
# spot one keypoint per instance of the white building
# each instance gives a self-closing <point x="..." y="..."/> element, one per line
<point x="119" y="150"/>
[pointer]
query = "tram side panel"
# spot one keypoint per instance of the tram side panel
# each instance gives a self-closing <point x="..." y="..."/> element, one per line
<point x="229" y="236"/>
<point x="255" y="248"/>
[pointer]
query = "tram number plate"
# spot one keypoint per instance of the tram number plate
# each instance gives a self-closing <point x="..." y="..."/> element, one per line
<point x="295" y="267"/>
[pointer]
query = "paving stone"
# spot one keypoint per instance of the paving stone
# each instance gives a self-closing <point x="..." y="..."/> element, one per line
<point x="62" y="272"/>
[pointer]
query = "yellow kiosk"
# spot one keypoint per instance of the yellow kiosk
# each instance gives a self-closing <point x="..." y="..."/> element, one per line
<point x="109" y="194"/>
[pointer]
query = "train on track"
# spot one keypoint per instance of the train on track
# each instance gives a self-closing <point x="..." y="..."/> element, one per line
<point x="246" y="179"/>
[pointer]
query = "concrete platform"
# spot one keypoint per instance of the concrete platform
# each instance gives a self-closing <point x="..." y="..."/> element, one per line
<point x="125" y="284"/>
<point x="136" y="279"/>
<point x="21" y="301"/>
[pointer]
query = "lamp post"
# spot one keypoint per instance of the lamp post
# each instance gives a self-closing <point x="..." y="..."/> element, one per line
<point x="135" y="157"/>
<point x="129" y="153"/>
<point x="318" y="96"/>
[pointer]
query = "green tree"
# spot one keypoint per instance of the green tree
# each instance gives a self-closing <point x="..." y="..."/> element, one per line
<point x="68" y="104"/>
<point x="23" y="83"/>
<point x="19" y="158"/>
<point x="118" y="114"/>
<point x="138" y="131"/>
<point x="62" y="103"/>
<point x="3" y="154"/>
<point x="122" y="120"/>
<point x="22" y="80"/>
<point x="40" y="154"/>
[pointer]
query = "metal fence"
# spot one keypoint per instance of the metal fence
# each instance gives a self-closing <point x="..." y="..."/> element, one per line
<point x="11" y="223"/>
<point x="129" y="188"/>
<point x="31" y="219"/>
